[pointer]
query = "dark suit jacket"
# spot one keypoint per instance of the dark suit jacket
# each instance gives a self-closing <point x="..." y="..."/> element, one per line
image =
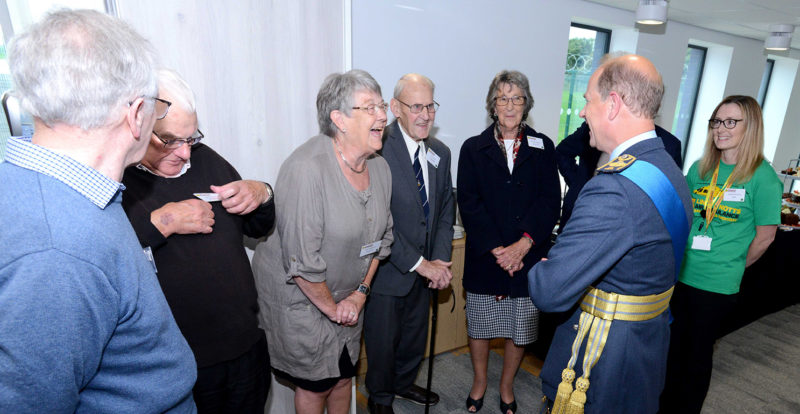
<point x="576" y="175"/>
<point x="497" y="208"/>
<point x="617" y="242"/>
<point x="412" y="237"/>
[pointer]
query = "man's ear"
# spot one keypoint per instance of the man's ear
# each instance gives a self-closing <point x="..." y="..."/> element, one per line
<point x="614" y="105"/>
<point x="136" y="117"/>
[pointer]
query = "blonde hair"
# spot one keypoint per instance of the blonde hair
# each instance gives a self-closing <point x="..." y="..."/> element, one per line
<point x="751" y="149"/>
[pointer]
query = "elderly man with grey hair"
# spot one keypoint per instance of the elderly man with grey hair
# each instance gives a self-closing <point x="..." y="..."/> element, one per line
<point x="193" y="216"/>
<point x="423" y="209"/>
<point x="85" y="327"/>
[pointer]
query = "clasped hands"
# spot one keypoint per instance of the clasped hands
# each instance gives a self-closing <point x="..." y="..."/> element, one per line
<point x="195" y="216"/>
<point x="348" y="309"/>
<point x="437" y="272"/>
<point x="509" y="258"/>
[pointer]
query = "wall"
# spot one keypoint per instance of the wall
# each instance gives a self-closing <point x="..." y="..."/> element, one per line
<point x="462" y="44"/>
<point x="255" y="67"/>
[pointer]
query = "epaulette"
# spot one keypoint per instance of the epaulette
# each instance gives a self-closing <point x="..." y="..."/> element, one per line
<point x="617" y="164"/>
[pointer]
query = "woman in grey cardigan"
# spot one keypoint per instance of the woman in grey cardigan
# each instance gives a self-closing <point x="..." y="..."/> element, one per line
<point x="333" y="226"/>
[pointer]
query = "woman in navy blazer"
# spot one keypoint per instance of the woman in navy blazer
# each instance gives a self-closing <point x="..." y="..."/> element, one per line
<point x="509" y="198"/>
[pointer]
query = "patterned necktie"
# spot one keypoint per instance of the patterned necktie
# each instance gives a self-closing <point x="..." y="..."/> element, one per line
<point x="421" y="184"/>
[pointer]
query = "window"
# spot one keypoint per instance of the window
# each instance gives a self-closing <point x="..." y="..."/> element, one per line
<point x="687" y="95"/>
<point x="762" y="90"/>
<point x="587" y="45"/>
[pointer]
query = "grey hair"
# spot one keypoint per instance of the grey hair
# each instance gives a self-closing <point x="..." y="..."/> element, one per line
<point x="337" y="93"/>
<point x="401" y="83"/>
<point x="77" y="66"/>
<point x="511" y="77"/>
<point x="180" y="93"/>
<point x="640" y="92"/>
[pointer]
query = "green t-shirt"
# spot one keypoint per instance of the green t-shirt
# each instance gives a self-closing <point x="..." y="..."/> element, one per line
<point x="720" y="269"/>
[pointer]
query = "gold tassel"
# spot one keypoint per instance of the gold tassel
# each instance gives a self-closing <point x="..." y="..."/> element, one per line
<point x="564" y="390"/>
<point x="578" y="398"/>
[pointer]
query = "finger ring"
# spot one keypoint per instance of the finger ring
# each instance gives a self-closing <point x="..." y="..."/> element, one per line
<point x="508" y="267"/>
<point x="352" y="314"/>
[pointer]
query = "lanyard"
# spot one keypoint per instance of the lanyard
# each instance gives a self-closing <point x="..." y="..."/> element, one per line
<point x="715" y="197"/>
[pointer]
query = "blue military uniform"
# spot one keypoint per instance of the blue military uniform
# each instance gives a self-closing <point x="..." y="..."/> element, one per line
<point x="617" y="242"/>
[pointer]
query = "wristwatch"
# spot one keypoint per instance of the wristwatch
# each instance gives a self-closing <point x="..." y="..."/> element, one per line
<point x="270" y="194"/>
<point x="363" y="288"/>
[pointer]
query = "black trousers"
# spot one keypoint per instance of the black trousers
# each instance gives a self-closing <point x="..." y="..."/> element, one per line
<point x="395" y="330"/>
<point x="698" y="318"/>
<point x="240" y="385"/>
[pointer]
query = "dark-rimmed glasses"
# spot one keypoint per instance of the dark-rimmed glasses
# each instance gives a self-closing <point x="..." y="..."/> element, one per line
<point x="178" y="142"/>
<point x="371" y="109"/>
<point x="729" y="123"/>
<point x="516" y="100"/>
<point x="417" y="108"/>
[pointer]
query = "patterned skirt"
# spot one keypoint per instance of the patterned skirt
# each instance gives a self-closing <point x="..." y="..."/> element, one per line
<point x="514" y="318"/>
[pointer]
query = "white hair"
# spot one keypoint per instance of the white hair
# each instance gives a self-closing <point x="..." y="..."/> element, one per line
<point x="77" y="66"/>
<point x="180" y="93"/>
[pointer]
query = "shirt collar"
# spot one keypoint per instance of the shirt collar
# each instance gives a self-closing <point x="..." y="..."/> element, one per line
<point x="412" y="145"/>
<point x="630" y="142"/>
<point x="186" y="166"/>
<point x="87" y="181"/>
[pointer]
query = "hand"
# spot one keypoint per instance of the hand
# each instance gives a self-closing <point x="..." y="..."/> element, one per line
<point x="183" y="217"/>
<point x="510" y="258"/>
<point x="348" y="309"/>
<point x="437" y="272"/>
<point x="241" y="197"/>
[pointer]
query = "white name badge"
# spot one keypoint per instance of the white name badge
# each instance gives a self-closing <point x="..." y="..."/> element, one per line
<point x="370" y="248"/>
<point x="433" y="158"/>
<point x="734" y="194"/>
<point x="534" y="142"/>
<point x="208" y="197"/>
<point x="701" y="243"/>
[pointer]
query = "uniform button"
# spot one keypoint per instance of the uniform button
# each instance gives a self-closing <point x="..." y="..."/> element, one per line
<point x="508" y="182"/>
<point x="575" y="327"/>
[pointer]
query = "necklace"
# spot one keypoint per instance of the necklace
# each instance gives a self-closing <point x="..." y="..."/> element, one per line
<point x="339" y="149"/>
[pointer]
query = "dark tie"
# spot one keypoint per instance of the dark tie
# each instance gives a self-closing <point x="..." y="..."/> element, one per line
<point x="421" y="184"/>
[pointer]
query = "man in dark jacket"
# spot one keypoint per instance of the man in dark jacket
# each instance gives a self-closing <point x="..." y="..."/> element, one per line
<point x="192" y="217"/>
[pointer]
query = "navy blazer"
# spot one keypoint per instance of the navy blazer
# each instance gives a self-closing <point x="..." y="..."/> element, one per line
<point x="576" y="175"/>
<point x="498" y="207"/>
<point x="617" y="242"/>
<point x="413" y="237"/>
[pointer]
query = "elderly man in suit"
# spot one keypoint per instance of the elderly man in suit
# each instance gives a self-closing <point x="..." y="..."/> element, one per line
<point x="396" y="315"/>
<point x="618" y="256"/>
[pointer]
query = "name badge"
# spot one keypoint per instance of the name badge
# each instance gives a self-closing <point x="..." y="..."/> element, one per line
<point x="370" y="248"/>
<point x="701" y="243"/>
<point x="208" y="197"/>
<point x="148" y="253"/>
<point x="433" y="158"/>
<point x="534" y="142"/>
<point x="734" y="194"/>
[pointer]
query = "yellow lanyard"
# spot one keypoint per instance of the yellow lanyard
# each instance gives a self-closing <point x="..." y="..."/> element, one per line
<point x="715" y="197"/>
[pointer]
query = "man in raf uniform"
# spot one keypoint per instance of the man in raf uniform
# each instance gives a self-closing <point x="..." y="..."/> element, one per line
<point x="618" y="255"/>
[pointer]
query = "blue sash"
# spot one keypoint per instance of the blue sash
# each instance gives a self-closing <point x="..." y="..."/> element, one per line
<point x="660" y="190"/>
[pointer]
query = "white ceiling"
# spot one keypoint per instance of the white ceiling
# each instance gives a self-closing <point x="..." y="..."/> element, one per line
<point x="747" y="18"/>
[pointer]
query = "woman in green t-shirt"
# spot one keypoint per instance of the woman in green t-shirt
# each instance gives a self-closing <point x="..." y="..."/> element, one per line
<point x="736" y="197"/>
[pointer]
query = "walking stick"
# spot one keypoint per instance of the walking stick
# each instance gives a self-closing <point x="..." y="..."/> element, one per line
<point x="434" y="317"/>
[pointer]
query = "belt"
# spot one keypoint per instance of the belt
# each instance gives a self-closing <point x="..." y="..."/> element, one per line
<point x="598" y="310"/>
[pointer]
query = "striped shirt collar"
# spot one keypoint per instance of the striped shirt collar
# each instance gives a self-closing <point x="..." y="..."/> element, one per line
<point x="87" y="181"/>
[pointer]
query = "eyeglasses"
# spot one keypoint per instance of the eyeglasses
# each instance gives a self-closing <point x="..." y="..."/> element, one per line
<point x="417" y="108"/>
<point x="516" y="100"/>
<point x="162" y="108"/>
<point x="176" y="143"/>
<point x="729" y="123"/>
<point x="371" y="109"/>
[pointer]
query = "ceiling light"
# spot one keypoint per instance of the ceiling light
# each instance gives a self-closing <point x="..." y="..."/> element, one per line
<point x="780" y="37"/>
<point x="651" y="12"/>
